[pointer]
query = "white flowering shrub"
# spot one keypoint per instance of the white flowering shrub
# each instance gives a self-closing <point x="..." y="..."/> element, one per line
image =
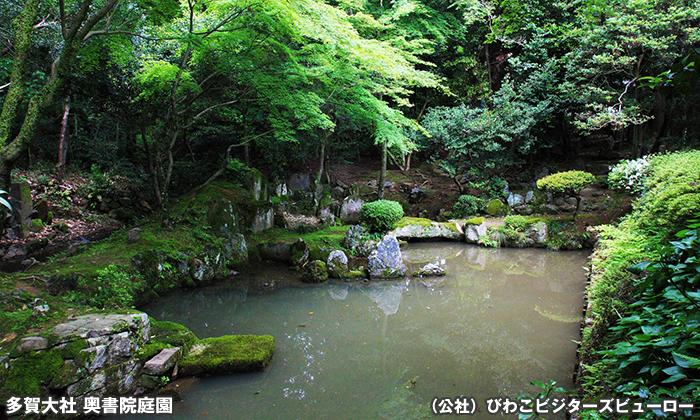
<point x="629" y="175"/>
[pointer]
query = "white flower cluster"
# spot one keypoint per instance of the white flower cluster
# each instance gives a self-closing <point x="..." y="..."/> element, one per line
<point x="630" y="175"/>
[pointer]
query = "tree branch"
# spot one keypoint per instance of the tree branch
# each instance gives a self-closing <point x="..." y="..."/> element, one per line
<point x="209" y="109"/>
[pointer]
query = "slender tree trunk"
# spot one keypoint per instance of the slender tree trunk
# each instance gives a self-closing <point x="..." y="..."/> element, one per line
<point x="152" y="168"/>
<point x="321" y="161"/>
<point x="488" y="67"/>
<point x="578" y="204"/>
<point x="382" y="172"/>
<point x="63" y="140"/>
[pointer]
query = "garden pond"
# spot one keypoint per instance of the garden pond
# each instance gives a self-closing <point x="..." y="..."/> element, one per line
<point x="499" y="319"/>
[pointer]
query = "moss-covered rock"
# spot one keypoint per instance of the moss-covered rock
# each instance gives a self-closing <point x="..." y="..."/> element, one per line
<point x="299" y="253"/>
<point x="475" y="221"/>
<point x="166" y="334"/>
<point x="228" y="354"/>
<point x="315" y="272"/>
<point x="411" y="228"/>
<point x="37" y="225"/>
<point x="495" y="208"/>
<point x="28" y="374"/>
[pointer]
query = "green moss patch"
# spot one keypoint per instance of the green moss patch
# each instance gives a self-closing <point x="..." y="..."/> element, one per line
<point x="228" y="354"/>
<point x="166" y="334"/>
<point x="475" y="221"/>
<point x="330" y="237"/>
<point x="30" y="372"/>
<point x="412" y="221"/>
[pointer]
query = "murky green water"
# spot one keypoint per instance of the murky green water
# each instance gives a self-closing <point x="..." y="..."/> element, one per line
<point x="384" y="350"/>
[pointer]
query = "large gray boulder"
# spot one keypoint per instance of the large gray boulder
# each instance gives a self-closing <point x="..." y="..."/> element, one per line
<point x="299" y="182"/>
<point x="536" y="234"/>
<point x="386" y="261"/>
<point x="337" y="264"/>
<point x="239" y="249"/>
<point x="350" y="210"/>
<point x="264" y="219"/>
<point x="21" y="200"/>
<point x="473" y="232"/>
<point x="300" y="221"/>
<point x="515" y="199"/>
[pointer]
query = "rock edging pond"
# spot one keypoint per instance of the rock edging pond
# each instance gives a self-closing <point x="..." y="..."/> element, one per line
<point x="122" y="354"/>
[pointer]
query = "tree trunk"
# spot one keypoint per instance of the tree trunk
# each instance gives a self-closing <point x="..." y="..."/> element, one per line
<point x="321" y="161"/>
<point x="63" y="140"/>
<point x="382" y="172"/>
<point x="23" y="28"/>
<point x="488" y="67"/>
<point x="578" y="204"/>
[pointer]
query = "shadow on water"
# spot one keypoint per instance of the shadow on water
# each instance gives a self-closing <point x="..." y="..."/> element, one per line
<point x="383" y="350"/>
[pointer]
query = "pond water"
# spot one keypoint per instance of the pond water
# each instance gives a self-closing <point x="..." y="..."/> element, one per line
<point x="499" y="319"/>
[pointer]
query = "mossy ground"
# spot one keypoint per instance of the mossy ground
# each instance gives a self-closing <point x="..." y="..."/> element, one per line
<point x="228" y="354"/>
<point x="330" y="237"/>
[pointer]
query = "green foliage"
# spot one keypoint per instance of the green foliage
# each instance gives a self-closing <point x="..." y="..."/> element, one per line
<point x="237" y="170"/>
<point x="467" y="205"/>
<point x="630" y="175"/>
<point x="674" y="196"/>
<point x="517" y="222"/>
<point x="381" y="215"/>
<point x="490" y="187"/>
<point x="613" y="294"/>
<point x="475" y="221"/>
<point x="114" y="287"/>
<point x="484" y="138"/>
<point x="657" y="351"/>
<point x="548" y="391"/>
<point x="570" y="182"/>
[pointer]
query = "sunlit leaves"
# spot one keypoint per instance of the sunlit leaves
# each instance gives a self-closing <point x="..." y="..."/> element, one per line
<point x="159" y="78"/>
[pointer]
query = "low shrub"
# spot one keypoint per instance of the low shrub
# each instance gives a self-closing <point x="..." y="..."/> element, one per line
<point x="517" y="222"/>
<point x="467" y="205"/>
<point x="630" y="175"/>
<point x="569" y="182"/>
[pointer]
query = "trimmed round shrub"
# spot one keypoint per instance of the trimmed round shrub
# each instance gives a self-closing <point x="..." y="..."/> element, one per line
<point x="569" y="182"/>
<point x="467" y="205"/>
<point x="381" y="215"/>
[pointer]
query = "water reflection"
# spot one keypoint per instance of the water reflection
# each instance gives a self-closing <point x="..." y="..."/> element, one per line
<point x="498" y="320"/>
